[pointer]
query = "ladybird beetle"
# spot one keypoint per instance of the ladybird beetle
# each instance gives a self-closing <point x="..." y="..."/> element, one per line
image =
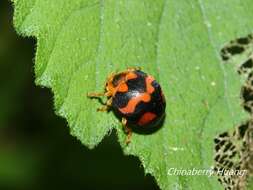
<point x="135" y="97"/>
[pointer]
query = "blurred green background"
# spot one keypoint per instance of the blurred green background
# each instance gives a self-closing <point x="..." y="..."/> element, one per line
<point x="36" y="149"/>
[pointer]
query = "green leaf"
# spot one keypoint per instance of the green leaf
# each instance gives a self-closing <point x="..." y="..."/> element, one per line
<point x="250" y="185"/>
<point x="80" y="42"/>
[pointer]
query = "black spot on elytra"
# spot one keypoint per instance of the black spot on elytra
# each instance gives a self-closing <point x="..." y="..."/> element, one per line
<point x="136" y="85"/>
<point x="120" y="100"/>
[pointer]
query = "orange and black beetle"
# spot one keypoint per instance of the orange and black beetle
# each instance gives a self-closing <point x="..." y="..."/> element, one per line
<point x="134" y="96"/>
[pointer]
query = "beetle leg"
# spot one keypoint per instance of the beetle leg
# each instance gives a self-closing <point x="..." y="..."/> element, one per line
<point x="129" y="136"/>
<point x="124" y="122"/>
<point x="133" y="68"/>
<point x="96" y="94"/>
<point x="103" y="108"/>
<point x="109" y="102"/>
<point x="128" y="130"/>
<point x="107" y="106"/>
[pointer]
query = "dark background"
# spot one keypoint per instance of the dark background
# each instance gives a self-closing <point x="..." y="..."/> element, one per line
<point x="36" y="149"/>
